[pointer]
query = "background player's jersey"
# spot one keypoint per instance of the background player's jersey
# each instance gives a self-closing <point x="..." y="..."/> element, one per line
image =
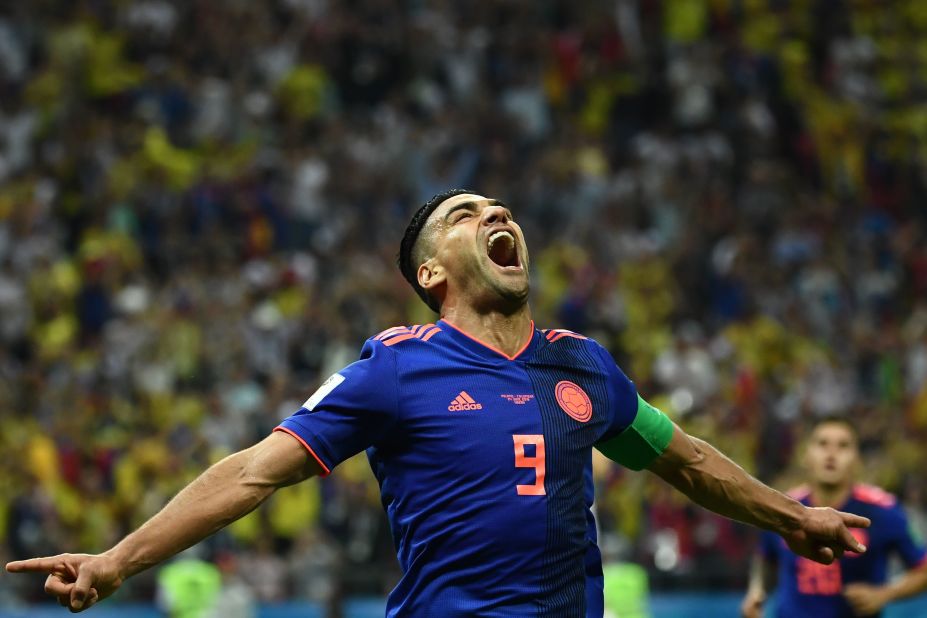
<point x="807" y="588"/>
<point x="484" y="464"/>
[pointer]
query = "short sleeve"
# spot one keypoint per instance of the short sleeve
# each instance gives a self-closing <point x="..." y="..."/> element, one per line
<point x="622" y="394"/>
<point x="354" y="409"/>
<point x="638" y="433"/>
<point x="906" y="541"/>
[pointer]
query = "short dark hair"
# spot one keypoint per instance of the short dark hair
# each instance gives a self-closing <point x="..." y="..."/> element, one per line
<point x="837" y="419"/>
<point x="410" y="238"/>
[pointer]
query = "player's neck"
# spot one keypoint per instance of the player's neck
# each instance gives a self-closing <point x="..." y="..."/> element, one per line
<point x="833" y="496"/>
<point x="505" y="332"/>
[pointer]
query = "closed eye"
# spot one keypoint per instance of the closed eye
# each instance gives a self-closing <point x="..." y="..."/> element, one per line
<point x="463" y="215"/>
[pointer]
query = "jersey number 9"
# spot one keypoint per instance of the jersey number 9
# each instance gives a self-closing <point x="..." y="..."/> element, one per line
<point x="535" y="461"/>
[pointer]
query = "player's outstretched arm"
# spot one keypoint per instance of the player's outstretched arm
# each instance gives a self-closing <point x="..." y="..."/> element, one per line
<point x="226" y="491"/>
<point x="713" y="481"/>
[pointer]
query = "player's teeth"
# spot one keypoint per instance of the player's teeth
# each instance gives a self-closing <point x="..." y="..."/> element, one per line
<point x="498" y="235"/>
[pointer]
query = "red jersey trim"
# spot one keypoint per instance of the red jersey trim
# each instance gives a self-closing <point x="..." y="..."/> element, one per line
<point x="873" y="495"/>
<point x="562" y="335"/>
<point x="491" y="347"/>
<point x="555" y="334"/>
<point x="397" y="339"/>
<point x="428" y="333"/>
<point x="799" y="493"/>
<point x="398" y="334"/>
<point x="395" y="330"/>
<point x="325" y="470"/>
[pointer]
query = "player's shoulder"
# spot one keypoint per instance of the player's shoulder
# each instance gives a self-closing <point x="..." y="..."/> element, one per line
<point x="556" y="337"/>
<point x="553" y="335"/>
<point x="876" y="496"/>
<point x="403" y="334"/>
<point x="801" y="493"/>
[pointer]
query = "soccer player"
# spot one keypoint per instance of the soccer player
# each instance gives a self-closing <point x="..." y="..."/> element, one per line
<point x="854" y="585"/>
<point x="480" y="430"/>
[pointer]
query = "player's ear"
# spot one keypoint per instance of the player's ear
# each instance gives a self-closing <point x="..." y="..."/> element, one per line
<point x="431" y="274"/>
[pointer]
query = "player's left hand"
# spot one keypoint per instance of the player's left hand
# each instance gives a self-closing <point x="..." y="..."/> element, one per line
<point x="865" y="599"/>
<point x="824" y="534"/>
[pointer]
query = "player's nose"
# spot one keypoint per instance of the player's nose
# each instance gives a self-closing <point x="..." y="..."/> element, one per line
<point x="494" y="214"/>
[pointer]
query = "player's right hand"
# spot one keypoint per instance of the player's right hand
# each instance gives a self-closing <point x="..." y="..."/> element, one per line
<point x="752" y="605"/>
<point x="78" y="581"/>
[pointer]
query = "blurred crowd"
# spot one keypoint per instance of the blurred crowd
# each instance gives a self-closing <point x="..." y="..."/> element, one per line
<point x="201" y="203"/>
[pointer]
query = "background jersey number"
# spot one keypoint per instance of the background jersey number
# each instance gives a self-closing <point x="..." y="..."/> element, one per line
<point x="535" y="461"/>
<point x="815" y="578"/>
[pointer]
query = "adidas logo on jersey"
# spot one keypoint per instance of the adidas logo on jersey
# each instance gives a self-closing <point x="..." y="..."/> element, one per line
<point x="463" y="401"/>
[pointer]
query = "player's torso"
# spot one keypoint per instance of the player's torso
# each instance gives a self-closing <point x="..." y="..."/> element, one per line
<point x="487" y="486"/>
<point x="808" y="588"/>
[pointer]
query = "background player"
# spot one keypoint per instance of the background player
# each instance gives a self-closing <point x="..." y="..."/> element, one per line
<point x="467" y="258"/>
<point x="854" y="585"/>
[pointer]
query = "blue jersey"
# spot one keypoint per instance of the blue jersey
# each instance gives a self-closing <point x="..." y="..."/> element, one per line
<point x="484" y="463"/>
<point x="807" y="588"/>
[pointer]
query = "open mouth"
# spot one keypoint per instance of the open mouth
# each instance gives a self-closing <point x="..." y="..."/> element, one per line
<point x="503" y="251"/>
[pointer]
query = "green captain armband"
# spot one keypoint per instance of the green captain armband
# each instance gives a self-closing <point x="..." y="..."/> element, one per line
<point x="637" y="446"/>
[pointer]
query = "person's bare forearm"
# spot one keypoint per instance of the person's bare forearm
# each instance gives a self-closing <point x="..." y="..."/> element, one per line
<point x="911" y="583"/>
<point x="757" y="591"/>
<point x="715" y="482"/>
<point x="222" y="494"/>
<point x="228" y="490"/>
<point x="219" y="496"/>
<point x="762" y="578"/>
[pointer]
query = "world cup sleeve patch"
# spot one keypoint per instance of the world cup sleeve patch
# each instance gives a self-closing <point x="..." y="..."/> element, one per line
<point x="327" y="387"/>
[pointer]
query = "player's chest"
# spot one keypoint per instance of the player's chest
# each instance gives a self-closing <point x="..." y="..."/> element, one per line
<point x="479" y="409"/>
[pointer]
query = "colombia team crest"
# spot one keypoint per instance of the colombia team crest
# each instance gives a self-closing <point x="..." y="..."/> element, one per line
<point x="573" y="400"/>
